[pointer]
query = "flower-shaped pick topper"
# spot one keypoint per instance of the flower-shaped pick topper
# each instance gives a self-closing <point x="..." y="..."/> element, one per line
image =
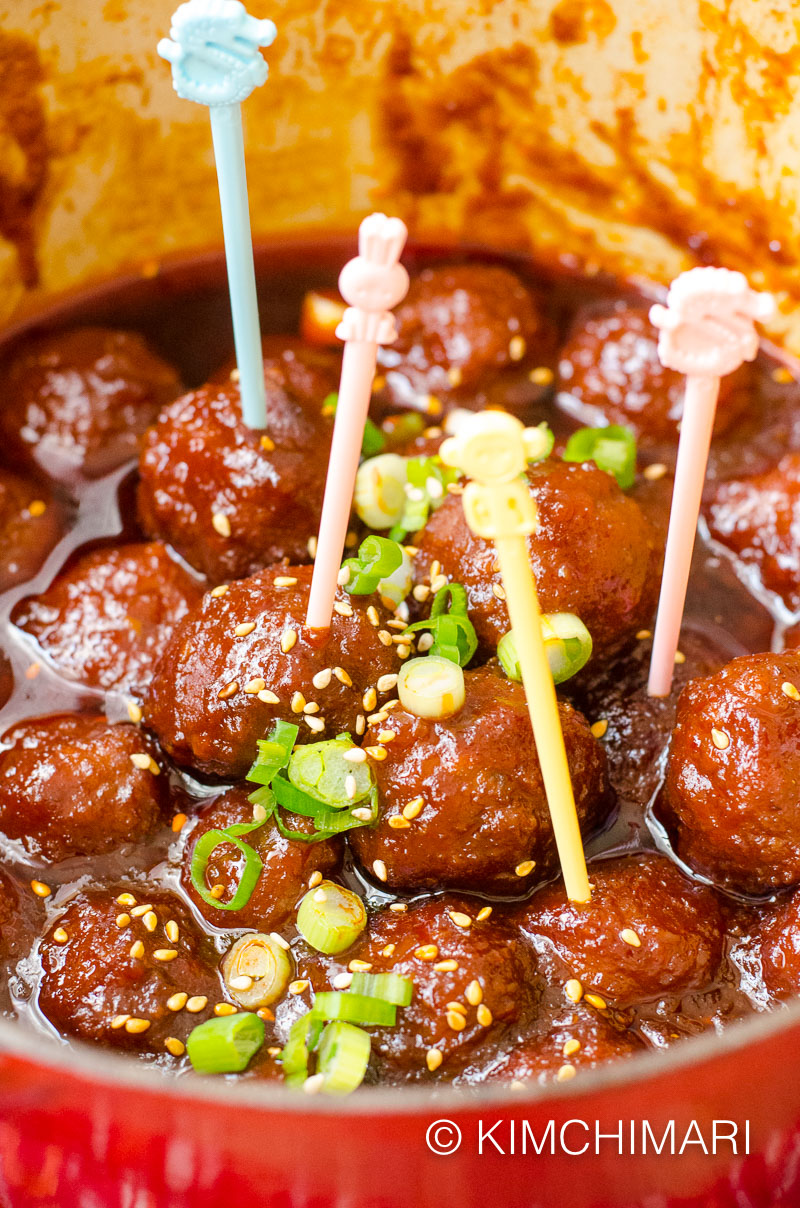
<point x="371" y="283"/>
<point x="706" y="330"/>
<point x="492" y="449"/>
<point x="214" y="52"/>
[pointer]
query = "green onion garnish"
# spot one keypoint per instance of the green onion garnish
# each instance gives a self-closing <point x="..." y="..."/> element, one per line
<point x="224" y="1045"/>
<point x="399" y="429"/>
<point x="567" y="641"/>
<point x="273" y="753"/>
<point x="303" y="1039"/>
<point x="431" y="686"/>
<point x="539" y="442"/>
<point x="391" y="987"/>
<point x="377" y="559"/>
<point x="427" y="480"/>
<point x="253" y="864"/>
<point x="355" y="1008"/>
<point x="330" y="918"/>
<point x="343" y="1058"/>
<point x="454" y="635"/>
<point x="380" y="492"/>
<point x="256" y="970"/>
<point x="374" y="440"/>
<point x="612" y="449"/>
<point x="322" y="772"/>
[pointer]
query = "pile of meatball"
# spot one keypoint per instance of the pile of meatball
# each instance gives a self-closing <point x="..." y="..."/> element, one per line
<point x="177" y="639"/>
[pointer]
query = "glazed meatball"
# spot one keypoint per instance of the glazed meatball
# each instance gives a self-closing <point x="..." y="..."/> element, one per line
<point x="647" y="931"/>
<point x="484" y="815"/>
<point x="777" y="935"/>
<point x="21" y="915"/>
<point x="215" y="692"/>
<point x="758" y="520"/>
<point x="593" y="554"/>
<point x="75" y="404"/>
<point x="494" y="966"/>
<point x="610" y="365"/>
<point x="113" y="981"/>
<point x="732" y="779"/>
<point x="69" y="786"/>
<point x="576" y="1039"/>
<point x="230" y="499"/>
<point x="6" y="679"/>
<point x="459" y="328"/>
<point x="30" y="525"/>
<point x="106" y="620"/>
<point x="284" y="877"/>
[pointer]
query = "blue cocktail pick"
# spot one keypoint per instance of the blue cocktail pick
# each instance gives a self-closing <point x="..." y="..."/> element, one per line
<point x="214" y="51"/>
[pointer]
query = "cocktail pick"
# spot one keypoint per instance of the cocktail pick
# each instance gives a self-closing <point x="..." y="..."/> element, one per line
<point x="491" y="449"/>
<point x="371" y="283"/>
<point x="213" y="49"/>
<point x="706" y="331"/>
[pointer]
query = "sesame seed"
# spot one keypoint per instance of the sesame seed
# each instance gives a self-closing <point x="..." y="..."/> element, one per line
<point x="344" y="610"/>
<point x="372" y="616"/>
<point x="573" y="990"/>
<point x="433" y="405"/>
<point x="474" y="993"/>
<point x="178" y="822"/>
<point x="355" y="755"/>
<point x="217" y="891"/>
<point x="165" y="954"/>
<point x="516" y="348"/>
<point x="498" y="591"/>
<point x="526" y="867"/>
<point x="343" y="677"/>
<point x="234" y="375"/>
<point x="229" y="690"/>
<point x="629" y="936"/>
<point x="197" y="1003"/>
<point x="455" y="375"/>
<point x="655" y="471"/>
<point x="720" y="739"/>
<point x="137" y="1026"/>
<point x="595" y="1000"/>
<point x="138" y="911"/>
<point x="314" y="879"/>
<point x="789" y="690"/>
<point x="126" y="899"/>
<point x="433" y="1059"/>
<point x="421" y="592"/>
<point x="288" y="640"/>
<point x="350" y="786"/>
<point x="311" y="707"/>
<point x="134" y="712"/>
<point x="40" y="889"/>
<point x="484" y="1015"/>
<point x="342" y="981"/>
<point x="225" y="1008"/>
<point x="222" y="590"/>
<point x="119" y="1021"/>
<point x="377" y="753"/>
<point x="141" y="761"/>
<point x="278" y="939"/>
<point x="361" y="724"/>
<point x="273" y="1050"/>
<point x="428" y="952"/>
<point x="460" y="919"/>
<point x="599" y="728"/>
<point x="643" y="635"/>
<point x="298" y="702"/>
<point x="298" y="987"/>
<point x="457" y="1006"/>
<point x="32" y="671"/>
<point x="60" y="935"/>
<point x="541" y="376"/>
<point x="37" y="507"/>
<point x="386" y="736"/>
<point x="343" y="577"/>
<point x="150" y="920"/>
<point x="438" y="582"/>
<point x="483" y="914"/>
<point x="317" y="724"/>
<point x="386" y="683"/>
<point x="285" y="581"/>
<point x="221" y="524"/>
<point x="267" y="697"/>
<point x="174" y="1046"/>
<point x="571" y="1047"/>
<point x="376" y="718"/>
<point x="398" y="907"/>
<point x="267" y="444"/>
<point x="356" y="966"/>
<point x="379" y="868"/>
<point x="385" y="639"/>
<point x="448" y="966"/>
<point x="311" y="546"/>
<point x="137" y="951"/>
<point x="322" y="678"/>
<point x="177" y="1001"/>
<point x="565" y="1073"/>
<point x="244" y="982"/>
<point x="403" y="652"/>
<point x="246" y="627"/>
<point x="414" y="808"/>
<point x="172" y="931"/>
<point x="456" y="1021"/>
<point x="314" y="1084"/>
<point x="424" y="642"/>
<point x="680" y="658"/>
<point x="782" y="374"/>
<point x="398" y="822"/>
<point x="362" y="814"/>
<point x="388" y="950"/>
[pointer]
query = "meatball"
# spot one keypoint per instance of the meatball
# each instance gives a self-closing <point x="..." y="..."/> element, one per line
<point x="114" y="978"/>
<point x="76" y="403"/>
<point x="733" y="772"/>
<point x="30" y="525"/>
<point x="593" y="554"/>
<point x="758" y="520"/>
<point x="777" y="935"/>
<point x="576" y="1039"/>
<point x="495" y="982"/>
<point x="610" y="365"/>
<point x="230" y="499"/>
<point x="485" y="816"/>
<point x="647" y="931"/>
<point x="69" y="786"/>
<point x="288" y="865"/>
<point x="216" y="691"/>
<point x="107" y="618"/>
<point x="21" y="914"/>
<point x="6" y="679"/>
<point x="461" y="327"/>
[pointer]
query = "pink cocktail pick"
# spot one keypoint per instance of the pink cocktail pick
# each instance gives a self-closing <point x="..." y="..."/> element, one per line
<point x="706" y="331"/>
<point x="372" y="284"/>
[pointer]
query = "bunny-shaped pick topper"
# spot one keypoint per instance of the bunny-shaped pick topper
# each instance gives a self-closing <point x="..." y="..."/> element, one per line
<point x="214" y="51"/>
<point x="374" y="281"/>
<point x="707" y="327"/>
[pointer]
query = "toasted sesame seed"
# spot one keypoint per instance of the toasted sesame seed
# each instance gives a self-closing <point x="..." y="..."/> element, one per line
<point x="643" y="635"/>
<point x="362" y="814"/>
<point x="343" y="677"/>
<point x="134" y="712"/>
<point x="565" y="1073"/>
<point x="483" y="1015"/>
<point x="571" y="1047"/>
<point x="273" y="1050"/>
<point x="680" y="658"/>
<point x="165" y="954"/>
<point x="599" y="728"/>
<point x="356" y="966"/>
<point x="60" y="935"/>
<point x="344" y="610"/>
<point x="32" y="671"/>
<point x="40" y="889"/>
<point x="311" y="546"/>
<point x="298" y="702"/>
<point x="629" y="936"/>
<point x="138" y="911"/>
<point x="267" y="444"/>
<point x="379" y="868"/>
<point x="311" y="706"/>
<point x="343" y="577"/>
<point x="177" y="1001"/>
<point x="285" y="581"/>
<point x="222" y="590"/>
<point x="457" y="1006"/>
<point x="421" y="592"/>
<point x="782" y="374"/>
<point x="541" y="375"/>
<point x="517" y="348"/>
<point x="460" y="919"/>
<point x="197" y="1003"/>
<point x="267" y="697"/>
<point x="376" y="718"/>
<point x="386" y="640"/>
<point x="428" y="952"/>
<point x="455" y="375"/>
<point x="355" y="755"/>
<point x="438" y="582"/>
<point x="350" y="786"/>
<point x="483" y="914"/>
<point x="313" y="1085"/>
<point x="126" y="899"/>
<point x="278" y="939"/>
<point x="246" y="627"/>
<point x="373" y="617"/>
<point x="398" y="822"/>
<point x="720" y="739"/>
<point x="317" y="724"/>
<point x="499" y="591"/>
<point x="342" y="981"/>
<point x="398" y="907"/>
<point x="137" y="951"/>
<point x="244" y="982"/>
<point x="788" y="689"/>
<point x="172" y="931"/>
<point x="595" y="1000"/>
<point x="573" y="990"/>
<point x="474" y="993"/>
<point x="229" y="690"/>
<point x="119" y="1021"/>
<point x="322" y="678"/>
<point x="178" y="822"/>
<point x="386" y="736"/>
<point x="433" y="405"/>
<point x="221" y="524"/>
<point x="150" y="920"/>
<point x="259" y="813"/>
<point x="314" y="879"/>
<point x="433" y="1059"/>
<point x="376" y="753"/>
<point x="217" y="891"/>
<point x="288" y="640"/>
<point x="456" y="1021"/>
<point x="403" y="652"/>
<point x="425" y="642"/>
<point x="388" y="950"/>
<point x="225" y="1008"/>
<point x="174" y="1046"/>
<point x="414" y="808"/>
<point x="655" y="471"/>
<point x="361" y="724"/>
<point x="526" y="867"/>
<point x="137" y="1026"/>
<point x="140" y="761"/>
<point x="446" y="966"/>
<point x="299" y="986"/>
<point x="37" y="507"/>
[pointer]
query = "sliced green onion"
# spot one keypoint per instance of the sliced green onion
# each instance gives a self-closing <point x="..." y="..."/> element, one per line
<point x="343" y="1058"/>
<point x="303" y="1039"/>
<point x="273" y="752"/>
<point x="394" y="588"/>
<point x="391" y="987"/>
<point x="378" y="557"/>
<point x="539" y="442"/>
<point x="374" y="440"/>
<point x="253" y="864"/>
<point x="380" y="491"/>
<point x="612" y="449"/>
<point x="225" y="1044"/>
<point x="431" y="686"/>
<point x="259" y="960"/>
<point x="454" y="634"/>
<point x="328" y="819"/>
<point x="331" y="918"/>
<point x="427" y="480"/>
<point x="355" y="1008"/>
<point x="321" y="771"/>
<point x="399" y="429"/>
<point x="567" y="641"/>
